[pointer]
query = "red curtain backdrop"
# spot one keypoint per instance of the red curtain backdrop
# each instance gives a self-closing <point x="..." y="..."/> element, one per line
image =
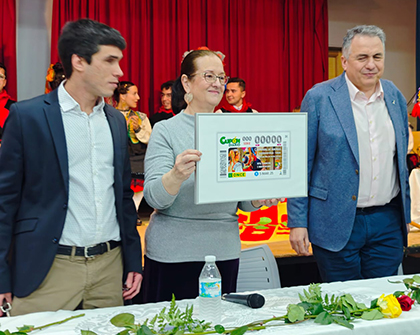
<point x="279" y="47"/>
<point x="8" y="43"/>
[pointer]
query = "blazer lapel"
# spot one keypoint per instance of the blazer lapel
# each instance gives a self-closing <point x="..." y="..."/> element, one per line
<point x="341" y="103"/>
<point x="55" y="122"/>
<point x="394" y="112"/>
<point x="116" y="136"/>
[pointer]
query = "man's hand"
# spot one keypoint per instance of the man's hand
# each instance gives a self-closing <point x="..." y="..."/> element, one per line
<point x="132" y="285"/>
<point x="266" y="202"/>
<point x="299" y="241"/>
<point x="8" y="297"/>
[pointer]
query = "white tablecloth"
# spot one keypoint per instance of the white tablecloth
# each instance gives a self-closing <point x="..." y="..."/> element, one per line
<point x="97" y="320"/>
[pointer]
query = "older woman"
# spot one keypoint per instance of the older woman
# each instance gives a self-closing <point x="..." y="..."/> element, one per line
<point x="138" y="129"/>
<point x="180" y="234"/>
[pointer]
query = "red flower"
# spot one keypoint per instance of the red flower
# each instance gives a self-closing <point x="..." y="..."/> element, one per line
<point x="406" y="302"/>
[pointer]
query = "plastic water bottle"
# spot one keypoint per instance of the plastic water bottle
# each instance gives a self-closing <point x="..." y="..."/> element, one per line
<point x="210" y="292"/>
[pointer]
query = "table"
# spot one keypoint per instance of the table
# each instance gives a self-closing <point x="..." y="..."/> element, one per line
<point x="234" y="315"/>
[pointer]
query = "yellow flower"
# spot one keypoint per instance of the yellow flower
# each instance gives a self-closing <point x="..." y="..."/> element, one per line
<point x="389" y="305"/>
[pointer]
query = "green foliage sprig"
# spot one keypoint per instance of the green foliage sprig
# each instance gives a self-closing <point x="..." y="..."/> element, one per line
<point x="324" y="310"/>
<point x="27" y="329"/>
<point x="412" y="285"/>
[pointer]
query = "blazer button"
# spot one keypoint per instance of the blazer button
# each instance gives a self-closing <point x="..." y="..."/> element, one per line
<point x="357" y="171"/>
<point x="55" y="240"/>
<point x="64" y="206"/>
<point x="353" y="197"/>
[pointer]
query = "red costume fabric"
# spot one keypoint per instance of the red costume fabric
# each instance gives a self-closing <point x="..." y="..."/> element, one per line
<point x="4" y="113"/>
<point x="163" y="110"/>
<point x="232" y="109"/>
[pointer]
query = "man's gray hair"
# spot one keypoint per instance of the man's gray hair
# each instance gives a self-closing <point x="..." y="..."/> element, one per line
<point x="372" y="31"/>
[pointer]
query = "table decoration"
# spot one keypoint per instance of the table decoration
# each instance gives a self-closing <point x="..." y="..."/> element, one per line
<point x="324" y="310"/>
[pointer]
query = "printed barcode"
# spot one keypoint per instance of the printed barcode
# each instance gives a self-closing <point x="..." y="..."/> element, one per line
<point x="285" y="157"/>
<point x="223" y="163"/>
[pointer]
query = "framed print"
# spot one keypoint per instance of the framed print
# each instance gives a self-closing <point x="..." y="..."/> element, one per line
<point x="250" y="156"/>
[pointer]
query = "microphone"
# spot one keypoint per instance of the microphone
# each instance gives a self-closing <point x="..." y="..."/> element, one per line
<point x="253" y="300"/>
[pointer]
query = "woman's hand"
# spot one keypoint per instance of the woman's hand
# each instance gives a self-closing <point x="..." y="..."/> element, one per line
<point x="184" y="166"/>
<point x="134" y="120"/>
<point x="266" y="202"/>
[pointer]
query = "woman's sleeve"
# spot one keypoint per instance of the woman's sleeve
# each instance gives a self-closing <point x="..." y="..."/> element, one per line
<point x="160" y="159"/>
<point x="145" y="130"/>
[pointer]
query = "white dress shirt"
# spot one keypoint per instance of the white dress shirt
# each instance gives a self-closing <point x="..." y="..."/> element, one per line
<point x="91" y="215"/>
<point x="378" y="183"/>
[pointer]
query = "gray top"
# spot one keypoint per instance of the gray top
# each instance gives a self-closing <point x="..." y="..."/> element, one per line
<point x="179" y="230"/>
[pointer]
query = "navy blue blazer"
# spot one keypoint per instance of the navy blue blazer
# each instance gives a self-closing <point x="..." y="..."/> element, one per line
<point x="333" y="163"/>
<point x="34" y="191"/>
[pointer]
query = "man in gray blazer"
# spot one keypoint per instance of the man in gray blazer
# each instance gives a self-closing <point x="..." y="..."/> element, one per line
<point x="66" y="211"/>
<point x="358" y="200"/>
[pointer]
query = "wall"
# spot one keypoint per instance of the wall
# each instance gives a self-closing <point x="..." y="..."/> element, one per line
<point x="33" y="46"/>
<point x="397" y="18"/>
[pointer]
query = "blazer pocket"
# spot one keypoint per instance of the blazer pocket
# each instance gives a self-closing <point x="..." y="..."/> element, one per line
<point x="317" y="192"/>
<point x="25" y="225"/>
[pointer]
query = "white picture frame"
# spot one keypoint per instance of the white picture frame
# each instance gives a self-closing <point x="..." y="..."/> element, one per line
<point x="250" y="169"/>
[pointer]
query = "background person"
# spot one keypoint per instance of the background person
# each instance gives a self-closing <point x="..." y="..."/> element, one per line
<point x="138" y="129"/>
<point x="359" y="198"/>
<point x="180" y="234"/>
<point x="5" y="99"/>
<point x="71" y="222"/>
<point x="165" y="111"/>
<point x="235" y="98"/>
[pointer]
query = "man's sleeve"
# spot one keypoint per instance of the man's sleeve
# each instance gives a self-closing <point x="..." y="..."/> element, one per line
<point x="297" y="208"/>
<point x="132" y="247"/>
<point x="11" y="178"/>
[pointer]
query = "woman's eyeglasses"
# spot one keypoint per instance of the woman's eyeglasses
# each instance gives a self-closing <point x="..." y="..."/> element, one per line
<point x="211" y="78"/>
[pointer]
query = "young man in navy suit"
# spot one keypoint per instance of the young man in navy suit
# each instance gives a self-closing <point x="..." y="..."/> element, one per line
<point x="358" y="200"/>
<point x="66" y="210"/>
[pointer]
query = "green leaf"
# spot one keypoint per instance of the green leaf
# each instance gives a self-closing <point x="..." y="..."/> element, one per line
<point x="261" y="227"/>
<point x="317" y="309"/>
<point x="342" y="322"/>
<point x="416" y="278"/>
<point x="361" y="305"/>
<point x="326" y="299"/>
<point x="416" y="295"/>
<point x="305" y="305"/>
<point x="398" y="293"/>
<point x="124" y="332"/>
<point x="295" y="313"/>
<point x="240" y="331"/>
<point x="302" y="298"/>
<point x="372" y="315"/>
<point x="219" y="329"/>
<point x="25" y="328"/>
<point x="122" y="320"/>
<point x="324" y="319"/>
<point x="264" y="220"/>
<point x="346" y="312"/>
<point x="408" y="281"/>
<point x="374" y="303"/>
<point x="348" y="301"/>
<point x="88" y="332"/>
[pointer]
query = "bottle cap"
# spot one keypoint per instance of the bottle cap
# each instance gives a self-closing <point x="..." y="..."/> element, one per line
<point x="210" y="258"/>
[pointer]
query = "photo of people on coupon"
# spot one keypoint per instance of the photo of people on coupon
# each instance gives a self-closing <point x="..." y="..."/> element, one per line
<point x="253" y="156"/>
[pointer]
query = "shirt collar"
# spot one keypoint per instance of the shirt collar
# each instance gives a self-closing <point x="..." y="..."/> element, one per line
<point x="354" y="91"/>
<point x="67" y="103"/>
